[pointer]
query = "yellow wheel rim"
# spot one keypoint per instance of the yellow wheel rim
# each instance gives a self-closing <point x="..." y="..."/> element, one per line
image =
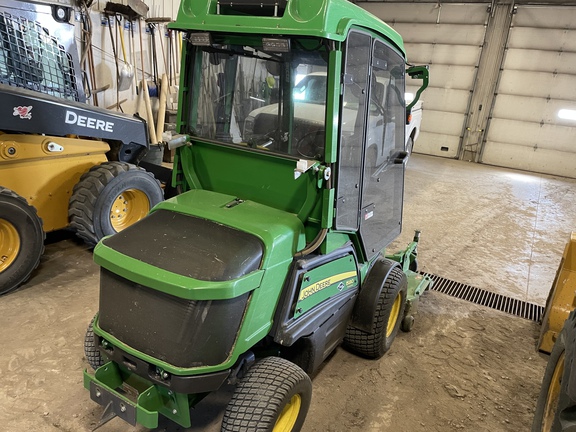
<point x="128" y="207"/>
<point x="289" y="415"/>
<point x="394" y="315"/>
<point x="553" y="395"/>
<point x="9" y="244"/>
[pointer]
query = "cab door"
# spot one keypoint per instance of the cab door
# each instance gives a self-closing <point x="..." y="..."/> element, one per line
<point x="370" y="184"/>
<point x="384" y="155"/>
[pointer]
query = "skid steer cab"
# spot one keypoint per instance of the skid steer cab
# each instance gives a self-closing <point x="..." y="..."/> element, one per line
<point x="273" y="253"/>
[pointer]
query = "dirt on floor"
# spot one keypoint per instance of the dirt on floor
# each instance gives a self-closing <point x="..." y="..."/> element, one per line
<point x="463" y="367"/>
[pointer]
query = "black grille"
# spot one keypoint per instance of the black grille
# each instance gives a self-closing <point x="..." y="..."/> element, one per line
<point x="31" y="58"/>
<point x="183" y="333"/>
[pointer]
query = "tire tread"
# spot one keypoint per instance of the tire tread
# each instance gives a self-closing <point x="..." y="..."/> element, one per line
<point x="260" y="394"/>
<point x="371" y="345"/>
<point x="7" y="195"/>
<point x="86" y="193"/>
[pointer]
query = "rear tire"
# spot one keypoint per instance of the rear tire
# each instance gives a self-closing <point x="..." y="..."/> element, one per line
<point x="21" y="240"/>
<point x="91" y="351"/>
<point x="111" y="197"/>
<point x="556" y="406"/>
<point x="385" y="322"/>
<point x="273" y="396"/>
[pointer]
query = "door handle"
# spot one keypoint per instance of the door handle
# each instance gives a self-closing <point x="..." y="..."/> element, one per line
<point x="400" y="157"/>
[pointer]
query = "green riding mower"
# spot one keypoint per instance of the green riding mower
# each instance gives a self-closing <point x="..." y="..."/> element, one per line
<point x="272" y="254"/>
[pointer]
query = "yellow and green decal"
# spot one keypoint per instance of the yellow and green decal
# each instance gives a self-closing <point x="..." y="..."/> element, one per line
<point x="324" y="282"/>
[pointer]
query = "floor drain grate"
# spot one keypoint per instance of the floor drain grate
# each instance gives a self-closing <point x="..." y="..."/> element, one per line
<point x="489" y="299"/>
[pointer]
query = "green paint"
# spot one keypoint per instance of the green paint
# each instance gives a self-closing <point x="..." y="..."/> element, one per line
<point x="324" y="282"/>
<point x="330" y="19"/>
<point x="151" y="400"/>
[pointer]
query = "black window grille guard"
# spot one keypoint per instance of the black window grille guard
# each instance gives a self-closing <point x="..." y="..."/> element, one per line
<point x="30" y="58"/>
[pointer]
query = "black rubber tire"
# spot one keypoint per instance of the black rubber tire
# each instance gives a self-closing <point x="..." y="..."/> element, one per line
<point x="375" y="344"/>
<point x="16" y="212"/>
<point x="409" y="146"/>
<point x="91" y="351"/>
<point x="95" y="193"/>
<point x="558" y="413"/>
<point x="262" y="394"/>
<point x="407" y="324"/>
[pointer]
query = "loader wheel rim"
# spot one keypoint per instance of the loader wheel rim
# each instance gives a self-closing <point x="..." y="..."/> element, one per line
<point x="553" y="395"/>
<point x="9" y="244"/>
<point x="289" y="415"/>
<point x="394" y="312"/>
<point x="128" y="207"/>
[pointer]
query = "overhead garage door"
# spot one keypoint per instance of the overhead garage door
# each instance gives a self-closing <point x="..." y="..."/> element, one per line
<point x="537" y="81"/>
<point x="449" y="39"/>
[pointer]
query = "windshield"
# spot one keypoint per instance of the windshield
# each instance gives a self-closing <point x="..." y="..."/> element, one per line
<point x="274" y="102"/>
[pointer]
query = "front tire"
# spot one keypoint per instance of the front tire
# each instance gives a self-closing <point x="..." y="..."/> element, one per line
<point x="21" y="240"/>
<point x="273" y="396"/>
<point x="110" y="197"/>
<point x="556" y="406"/>
<point x="91" y="351"/>
<point x="385" y="322"/>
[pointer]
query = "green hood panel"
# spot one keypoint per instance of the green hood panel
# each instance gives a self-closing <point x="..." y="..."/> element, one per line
<point x="253" y="238"/>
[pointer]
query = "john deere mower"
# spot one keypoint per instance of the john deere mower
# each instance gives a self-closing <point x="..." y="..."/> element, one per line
<point x="273" y="253"/>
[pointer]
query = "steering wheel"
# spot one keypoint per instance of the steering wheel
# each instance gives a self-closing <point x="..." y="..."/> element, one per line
<point x="311" y="145"/>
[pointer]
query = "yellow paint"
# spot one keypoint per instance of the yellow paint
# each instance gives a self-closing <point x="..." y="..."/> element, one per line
<point x="46" y="178"/>
<point x="128" y="208"/>
<point x="9" y="244"/>
<point x="289" y="415"/>
<point x="393" y="318"/>
<point x="324" y="283"/>
<point x="561" y="300"/>
<point x="553" y="396"/>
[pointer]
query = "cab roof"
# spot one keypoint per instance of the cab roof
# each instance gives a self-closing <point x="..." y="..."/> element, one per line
<point x="330" y="19"/>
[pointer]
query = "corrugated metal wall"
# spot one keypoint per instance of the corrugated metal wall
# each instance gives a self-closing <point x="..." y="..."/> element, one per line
<point x="449" y="39"/>
<point x="523" y="130"/>
<point x="538" y="79"/>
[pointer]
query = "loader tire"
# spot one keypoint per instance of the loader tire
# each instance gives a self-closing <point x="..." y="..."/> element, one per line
<point x="91" y="351"/>
<point x="385" y="322"/>
<point x="111" y="197"/>
<point x="273" y="396"/>
<point x="21" y="240"/>
<point x="556" y="406"/>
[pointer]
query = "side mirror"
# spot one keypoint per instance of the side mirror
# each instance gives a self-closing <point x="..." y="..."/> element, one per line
<point x="417" y="72"/>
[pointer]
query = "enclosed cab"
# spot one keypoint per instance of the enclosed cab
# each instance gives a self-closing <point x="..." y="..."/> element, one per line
<point x="290" y="169"/>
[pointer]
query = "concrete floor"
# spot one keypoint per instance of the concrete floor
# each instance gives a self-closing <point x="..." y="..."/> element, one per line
<point x="493" y="228"/>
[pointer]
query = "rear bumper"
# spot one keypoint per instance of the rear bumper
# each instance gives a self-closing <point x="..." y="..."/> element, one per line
<point x="142" y="408"/>
<point x="139" y="401"/>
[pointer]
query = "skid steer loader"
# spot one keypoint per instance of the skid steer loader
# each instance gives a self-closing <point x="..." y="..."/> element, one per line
<point x="273" y="252"/>
<point x="556" y="405"/>
<point x="63" y="163"/>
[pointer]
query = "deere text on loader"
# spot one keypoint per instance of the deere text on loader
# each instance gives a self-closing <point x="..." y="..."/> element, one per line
<point x="273" y="252"/>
